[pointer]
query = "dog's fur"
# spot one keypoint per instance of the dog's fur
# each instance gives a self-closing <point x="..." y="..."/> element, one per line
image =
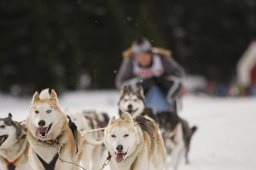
<point x="175" y="131"/>
<point x="177" y="136"/>
<point x="13" y="145"/>
<point x="134" y="145"/>
<point x="87" y="120"/>
<point x="100" y="118"/>
<point x="133" y="103"/>
<point x="52" y="136"/>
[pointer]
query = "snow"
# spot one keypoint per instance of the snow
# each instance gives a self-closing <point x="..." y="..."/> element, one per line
<point x="225" y="140"/>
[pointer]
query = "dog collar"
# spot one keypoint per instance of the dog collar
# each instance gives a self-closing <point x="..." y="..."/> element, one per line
<point x="51" y="142"/>
<point x="12" y="165"/>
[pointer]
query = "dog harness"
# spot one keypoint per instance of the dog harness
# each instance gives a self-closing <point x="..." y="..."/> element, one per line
<point x="51" y="165"/>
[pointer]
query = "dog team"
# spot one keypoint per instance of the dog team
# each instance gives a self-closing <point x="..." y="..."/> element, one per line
<point x="53" y="139"/>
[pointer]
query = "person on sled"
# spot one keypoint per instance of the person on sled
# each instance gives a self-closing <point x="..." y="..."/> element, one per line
<point x="157" y="72"/>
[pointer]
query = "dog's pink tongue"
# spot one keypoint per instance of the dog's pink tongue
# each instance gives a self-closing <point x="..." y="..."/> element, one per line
<point x="131" y="112"/>
<point x="119" y="157"/>
<point x="41" y="131"/>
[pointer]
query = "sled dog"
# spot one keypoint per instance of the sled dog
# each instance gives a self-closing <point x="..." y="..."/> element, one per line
<point x="175" y="131"/>
<point x="13" y="145"/>
<point x="133" y="102"/>
<point x="134" y="144"/>
<point x="93" y="152"/>
<point x="55" y="143"/>
<point x="176" y="135"/>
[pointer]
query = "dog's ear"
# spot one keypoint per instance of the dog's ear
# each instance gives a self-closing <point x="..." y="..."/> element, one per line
<point x="127" y="116"/>
<point x="35" y="97"/>
<point x="140" y="90"/>
<point x="54" y="95"/>
<point x="113" y="118"/>
<point x="126" y="89"/>
<point x="21" y="130"/>
<point x="10" y="116"/>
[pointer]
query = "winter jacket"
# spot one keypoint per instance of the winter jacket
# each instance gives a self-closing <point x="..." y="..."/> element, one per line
<point x="170" y="68"/>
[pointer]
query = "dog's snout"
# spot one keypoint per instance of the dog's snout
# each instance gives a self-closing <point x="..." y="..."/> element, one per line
<point x="119" y="148"/>
<point x="129" y="106"/>
<point x="41" y="123"/>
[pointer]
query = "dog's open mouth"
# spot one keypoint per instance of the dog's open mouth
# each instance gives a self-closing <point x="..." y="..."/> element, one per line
<point x="120" y="156"/>
<point x="42" y="132"/>
<point x="2" y="139"/>
<point x="132" y="111"/>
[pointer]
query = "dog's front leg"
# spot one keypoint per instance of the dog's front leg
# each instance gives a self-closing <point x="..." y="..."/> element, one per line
<point x="178" y="147"/>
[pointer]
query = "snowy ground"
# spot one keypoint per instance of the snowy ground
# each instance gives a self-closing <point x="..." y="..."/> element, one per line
<point x="226" y="139"/>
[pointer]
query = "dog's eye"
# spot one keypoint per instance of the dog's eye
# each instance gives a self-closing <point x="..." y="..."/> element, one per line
<point x="135" y="100"/>
<point x="113" y="136"/>
<point x="126" y="135"/>
<point x="49" y="111"/>
<point x="36" y="111"/>
<point x="125" y="100"/>
<point x="3" y="126"/>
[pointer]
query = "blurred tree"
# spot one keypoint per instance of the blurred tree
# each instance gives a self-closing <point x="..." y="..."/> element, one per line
<point x="53" y="43"/>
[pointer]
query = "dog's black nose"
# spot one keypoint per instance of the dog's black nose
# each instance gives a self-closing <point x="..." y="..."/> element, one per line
<point x="41" y="123"/>
<point x="119" y="148"/>
<point x="129" y="106"/>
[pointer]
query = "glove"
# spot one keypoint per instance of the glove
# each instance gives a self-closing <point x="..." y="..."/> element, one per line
<point x="147" y="83"/>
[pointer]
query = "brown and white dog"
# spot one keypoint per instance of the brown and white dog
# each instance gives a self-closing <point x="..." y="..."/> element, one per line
<point x="55" y="143"/>
<point x="13" y="145"/>
<point x="134" y="144"/>
<point x="175" y="131"/>
<point x="93" y="149"/>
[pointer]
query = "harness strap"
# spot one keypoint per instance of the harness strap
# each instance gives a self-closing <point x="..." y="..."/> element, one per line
<point x="106" y="161"/>
<point x="51" y="165"/>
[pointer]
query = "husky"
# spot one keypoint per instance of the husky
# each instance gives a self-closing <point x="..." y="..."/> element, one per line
<point x="55" y="143"/>
<point x="93" y="152"/>
<point x="134" y="145"/>
<point x="133" y="102"/>
<point x="177" y="136"/>
<point x="100" y="118"/>
<point x="175" y="130"/>
<point x="13" y="145"/>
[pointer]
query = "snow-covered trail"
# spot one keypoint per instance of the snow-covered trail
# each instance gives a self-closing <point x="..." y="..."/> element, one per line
<point x="226" y="137"/>
<point x="225" y="140"/>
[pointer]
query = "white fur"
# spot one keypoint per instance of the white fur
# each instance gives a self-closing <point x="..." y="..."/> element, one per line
<point x="44" y="94"/>
<point x="135" y="147"/>
<point x="177" y="146"/>
<point x="92" y="156"/>
<point x="49" y="111"/>
<point x="131" y="99"/>
<point x="55" y="118"/>
<point x="11" y="132"/>
<point x="13" y="149"/>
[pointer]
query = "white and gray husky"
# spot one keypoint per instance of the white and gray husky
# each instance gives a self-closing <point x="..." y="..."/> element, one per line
<point x="13" y="145"/>
<point x="133" y="102"/>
